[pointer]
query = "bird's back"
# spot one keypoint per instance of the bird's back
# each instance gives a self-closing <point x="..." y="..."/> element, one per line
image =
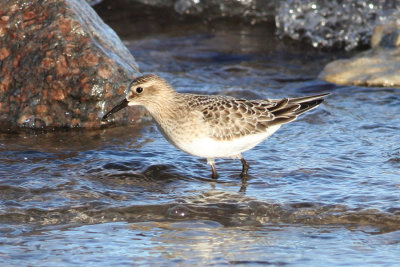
<point x="229" y="118"/>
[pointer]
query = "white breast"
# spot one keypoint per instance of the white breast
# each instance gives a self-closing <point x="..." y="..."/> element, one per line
<point x="211" y="148"/>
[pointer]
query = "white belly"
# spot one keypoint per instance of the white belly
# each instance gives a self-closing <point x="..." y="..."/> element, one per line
<point x="211" y="148"/>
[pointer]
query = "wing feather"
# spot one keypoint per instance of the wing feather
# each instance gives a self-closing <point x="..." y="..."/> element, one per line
<point x="228" y="118"/>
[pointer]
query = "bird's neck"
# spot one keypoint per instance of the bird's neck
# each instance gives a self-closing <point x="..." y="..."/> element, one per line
<point x="167" y="108"/>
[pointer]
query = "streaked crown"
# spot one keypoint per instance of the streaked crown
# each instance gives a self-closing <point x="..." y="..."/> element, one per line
<point x="148" y="89"/>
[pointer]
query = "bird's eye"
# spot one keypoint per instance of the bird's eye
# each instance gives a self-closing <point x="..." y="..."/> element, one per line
<point x="139" y="90"/>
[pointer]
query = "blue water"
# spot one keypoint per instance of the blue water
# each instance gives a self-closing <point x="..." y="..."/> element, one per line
<point x="323" y="189"/>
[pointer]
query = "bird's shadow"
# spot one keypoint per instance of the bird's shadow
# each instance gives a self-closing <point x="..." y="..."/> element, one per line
<point x="131" y="173"/>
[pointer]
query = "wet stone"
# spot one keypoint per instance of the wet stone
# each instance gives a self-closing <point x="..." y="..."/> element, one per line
<point x="60" y="66"/>
<point x="379" y="66"/>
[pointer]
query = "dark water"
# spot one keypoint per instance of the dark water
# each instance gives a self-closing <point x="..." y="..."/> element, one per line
<point x="323" y="189"/>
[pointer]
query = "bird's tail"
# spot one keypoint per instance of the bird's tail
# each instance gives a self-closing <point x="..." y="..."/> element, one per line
<point x="307" y="103"/>
<point x="288" y="109"/>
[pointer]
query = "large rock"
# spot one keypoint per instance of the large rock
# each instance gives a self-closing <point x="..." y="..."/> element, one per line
<point x="60" y="66"/>
<point x="379" y="66"/>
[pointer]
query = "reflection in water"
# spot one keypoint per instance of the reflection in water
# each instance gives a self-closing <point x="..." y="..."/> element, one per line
<point x="324" y="186"/>
<point x="206" y="242"/>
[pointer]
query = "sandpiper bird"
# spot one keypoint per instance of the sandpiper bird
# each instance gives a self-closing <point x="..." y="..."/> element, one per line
<point x="211" y="126"/>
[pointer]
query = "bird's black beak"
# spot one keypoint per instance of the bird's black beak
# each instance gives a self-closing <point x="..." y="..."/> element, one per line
<point x="118" y="107"/>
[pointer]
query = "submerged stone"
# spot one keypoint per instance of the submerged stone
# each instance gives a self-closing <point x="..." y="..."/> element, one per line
<point x="60" y="66"/>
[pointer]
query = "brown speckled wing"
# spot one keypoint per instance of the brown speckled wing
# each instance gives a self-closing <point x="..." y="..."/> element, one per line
<point x="230" y="118"/>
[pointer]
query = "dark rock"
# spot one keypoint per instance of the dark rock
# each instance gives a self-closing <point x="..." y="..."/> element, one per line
<point x="60" y="66"/>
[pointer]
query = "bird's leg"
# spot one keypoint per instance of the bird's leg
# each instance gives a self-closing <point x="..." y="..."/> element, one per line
<point x="214" y="170"/>
<point x="245" y="165"/>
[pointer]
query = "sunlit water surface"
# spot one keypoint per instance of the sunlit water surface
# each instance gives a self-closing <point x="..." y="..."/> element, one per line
<point x="323" y="189"/>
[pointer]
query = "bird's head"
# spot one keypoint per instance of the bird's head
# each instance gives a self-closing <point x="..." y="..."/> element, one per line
<point x="148" y="90"/>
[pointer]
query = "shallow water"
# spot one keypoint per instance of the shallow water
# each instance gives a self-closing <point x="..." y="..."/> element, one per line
<point x="324" y="188"/>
